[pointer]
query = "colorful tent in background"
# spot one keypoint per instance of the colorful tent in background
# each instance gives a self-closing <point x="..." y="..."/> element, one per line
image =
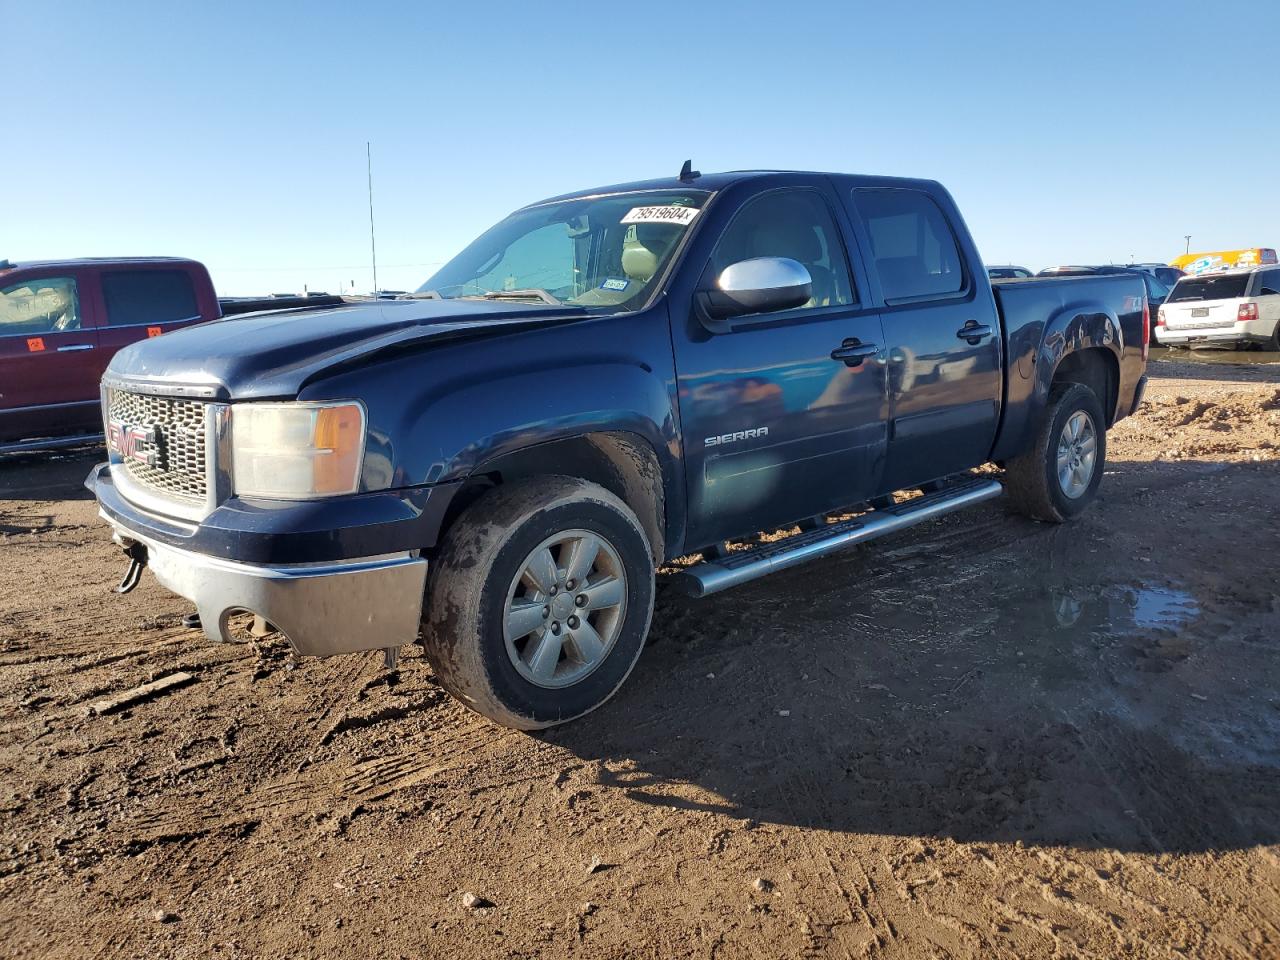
<point x="1195" y="263"/>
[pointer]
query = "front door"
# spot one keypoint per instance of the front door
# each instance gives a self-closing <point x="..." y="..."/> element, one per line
<point x="50" y="364"/>
<point x="942" y="335"/>
<point x="775" y="428"/>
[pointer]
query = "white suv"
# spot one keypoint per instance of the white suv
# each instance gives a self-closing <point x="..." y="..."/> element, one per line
<point x="1228" y="308"/>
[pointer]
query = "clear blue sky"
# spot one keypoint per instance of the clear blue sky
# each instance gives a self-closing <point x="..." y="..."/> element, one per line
<point x="235" y="132"/>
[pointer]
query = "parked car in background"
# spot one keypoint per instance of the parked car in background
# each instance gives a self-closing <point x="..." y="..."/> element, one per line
<point x="1157" y="290"/>
<point x="1009" y="272"/>
<point x="1229" y="309"/>
<point x="1163" y="272"/>
<point x="61" y="322"/>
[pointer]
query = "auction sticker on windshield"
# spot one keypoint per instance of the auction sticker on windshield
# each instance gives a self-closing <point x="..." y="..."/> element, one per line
<point x="680" y="215"/>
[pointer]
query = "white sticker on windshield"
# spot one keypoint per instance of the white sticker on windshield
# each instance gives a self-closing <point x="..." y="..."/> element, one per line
<point x="683" y="216"/>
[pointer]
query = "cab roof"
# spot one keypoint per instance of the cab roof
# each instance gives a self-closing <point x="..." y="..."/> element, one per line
<point x="718" y="181"/>
<point x="86" y="262"/>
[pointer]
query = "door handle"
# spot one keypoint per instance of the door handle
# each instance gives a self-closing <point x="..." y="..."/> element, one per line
<point x="75" y="347"/>
<point x="853" y="351"/>
<point x="974" y="332"/>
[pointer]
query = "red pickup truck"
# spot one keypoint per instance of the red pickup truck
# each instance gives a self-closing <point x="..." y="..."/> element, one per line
<point x="61" y="322"/>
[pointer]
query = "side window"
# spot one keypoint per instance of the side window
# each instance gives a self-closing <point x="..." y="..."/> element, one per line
<point x="1270" y="285"/>
<point x="32" y="307"/>
<point x="912" y="244"/>
<point x="1155" y="289"/>
<point x="795" y="224"/>
<point x="148" y="296"/>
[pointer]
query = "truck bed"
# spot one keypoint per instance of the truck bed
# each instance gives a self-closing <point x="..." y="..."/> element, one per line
<point x="1041" y="318"/>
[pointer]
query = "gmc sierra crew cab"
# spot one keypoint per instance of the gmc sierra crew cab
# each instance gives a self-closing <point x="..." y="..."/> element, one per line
<point x="603" y="382"/>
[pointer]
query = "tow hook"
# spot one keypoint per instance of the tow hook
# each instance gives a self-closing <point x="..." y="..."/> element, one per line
<point x="137" y="555"/>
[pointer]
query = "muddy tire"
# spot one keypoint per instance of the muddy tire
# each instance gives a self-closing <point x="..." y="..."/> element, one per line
<point x="1059" y="476"/>
<point x="539" y="601"/>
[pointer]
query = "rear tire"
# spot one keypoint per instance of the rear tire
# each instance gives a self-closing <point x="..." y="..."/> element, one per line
<point x="507" y="628"/>
<point x="1273" y="345"/>
<point x="1058" y="477"/>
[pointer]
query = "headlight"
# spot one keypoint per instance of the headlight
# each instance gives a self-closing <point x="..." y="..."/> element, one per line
<point x="296" y="451"/>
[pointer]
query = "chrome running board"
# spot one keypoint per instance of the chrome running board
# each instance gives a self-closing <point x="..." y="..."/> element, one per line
<point x="712" y="576"/>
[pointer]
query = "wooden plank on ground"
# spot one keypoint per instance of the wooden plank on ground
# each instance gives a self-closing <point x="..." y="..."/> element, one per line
<point x="138" y="694"/>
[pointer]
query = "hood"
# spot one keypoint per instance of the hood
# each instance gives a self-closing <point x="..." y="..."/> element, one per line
<point x="276" y="353"/>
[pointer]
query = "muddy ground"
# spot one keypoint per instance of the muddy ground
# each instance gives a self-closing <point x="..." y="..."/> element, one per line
<point x="985" y="737"/>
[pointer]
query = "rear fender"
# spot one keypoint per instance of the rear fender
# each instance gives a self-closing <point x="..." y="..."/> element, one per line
<point x="1078" y="326"/>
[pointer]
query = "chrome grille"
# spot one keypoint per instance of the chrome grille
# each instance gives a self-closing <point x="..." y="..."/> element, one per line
<point x="179" y="470"/>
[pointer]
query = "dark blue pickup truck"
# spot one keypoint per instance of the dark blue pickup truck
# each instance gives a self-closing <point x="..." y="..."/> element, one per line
<point x="601" y="382"/>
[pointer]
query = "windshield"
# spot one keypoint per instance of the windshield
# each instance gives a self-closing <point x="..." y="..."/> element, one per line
<point x="600" y="252"/>
<point x="1226" y="287"/>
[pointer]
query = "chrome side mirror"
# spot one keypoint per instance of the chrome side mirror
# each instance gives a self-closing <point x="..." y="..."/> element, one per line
<point x="759" y="285"/>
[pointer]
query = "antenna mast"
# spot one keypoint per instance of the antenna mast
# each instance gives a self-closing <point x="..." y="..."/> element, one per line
<point x="373" y="243"/>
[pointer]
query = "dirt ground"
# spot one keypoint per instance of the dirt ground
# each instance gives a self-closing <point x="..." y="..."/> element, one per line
<point x="985" y="737"/>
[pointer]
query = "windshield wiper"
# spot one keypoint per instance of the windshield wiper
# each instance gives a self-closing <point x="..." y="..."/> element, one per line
<point x="527" y="293"/>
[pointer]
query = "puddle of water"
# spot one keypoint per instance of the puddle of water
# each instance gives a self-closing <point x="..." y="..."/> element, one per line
<point x="1120" y="609"/>
<point x="1117" y="609"/>
<point x="1163" y="606"/>
<point x="1210" y="355"/>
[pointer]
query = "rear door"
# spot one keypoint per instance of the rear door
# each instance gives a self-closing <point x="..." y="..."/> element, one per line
<point x="1268" y="298"/>
<point x="941" y="331"/>
<point x="49" y="357"/>
<point x="144" y="300"/>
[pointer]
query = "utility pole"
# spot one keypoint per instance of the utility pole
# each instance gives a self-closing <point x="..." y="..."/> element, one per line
<point x="1188" y="250"/>
<point x="373" y="243"/>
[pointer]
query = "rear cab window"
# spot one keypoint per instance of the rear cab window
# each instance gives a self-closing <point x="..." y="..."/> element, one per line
<point x="136" y="297"/>
<point x="912" y="244"/>
<point x="45" y="305"/>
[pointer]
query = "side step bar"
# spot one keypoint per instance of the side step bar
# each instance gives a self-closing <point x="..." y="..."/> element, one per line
<point x="713" y="576"/>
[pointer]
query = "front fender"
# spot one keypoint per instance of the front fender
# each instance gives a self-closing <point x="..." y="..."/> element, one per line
<point x="483" y="422"/>
<point x="439" y="415"/>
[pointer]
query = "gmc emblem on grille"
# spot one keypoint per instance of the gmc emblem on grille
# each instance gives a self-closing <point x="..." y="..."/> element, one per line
<point x="134" y="443"/>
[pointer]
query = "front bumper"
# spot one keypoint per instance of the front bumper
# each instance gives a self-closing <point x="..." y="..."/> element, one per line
<point x="323" y="608"/>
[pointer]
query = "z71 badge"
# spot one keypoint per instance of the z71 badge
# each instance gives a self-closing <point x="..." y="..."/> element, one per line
<point x="737" y="435"/>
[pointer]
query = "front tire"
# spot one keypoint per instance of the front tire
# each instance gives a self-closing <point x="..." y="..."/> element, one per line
<point x="539" y="601"/>
<point x="1059" y="476"/>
